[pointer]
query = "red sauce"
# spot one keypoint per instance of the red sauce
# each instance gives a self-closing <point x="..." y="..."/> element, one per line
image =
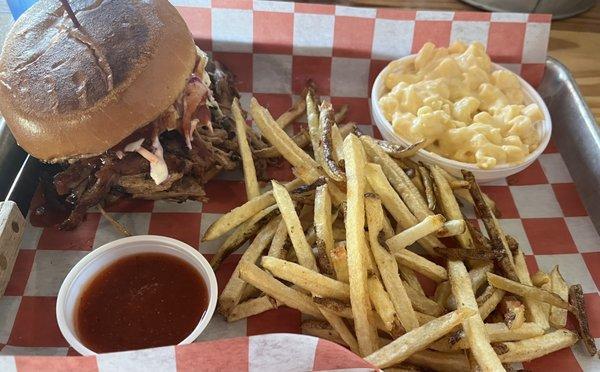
<point x="141" y="301"/>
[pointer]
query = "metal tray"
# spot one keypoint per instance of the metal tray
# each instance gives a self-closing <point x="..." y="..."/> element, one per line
<point x="576" y="134"/>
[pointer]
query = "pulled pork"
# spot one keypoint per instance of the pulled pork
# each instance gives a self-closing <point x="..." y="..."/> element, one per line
<point x="170" y="158"/>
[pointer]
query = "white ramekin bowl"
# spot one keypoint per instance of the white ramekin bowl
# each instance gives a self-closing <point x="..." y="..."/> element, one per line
<point x="89" y="266"/>
<point x="452" y="166"/>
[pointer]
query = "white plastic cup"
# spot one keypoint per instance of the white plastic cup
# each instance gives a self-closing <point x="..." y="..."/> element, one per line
<point x="96" y="261"/>
<point x="453" y="166"/>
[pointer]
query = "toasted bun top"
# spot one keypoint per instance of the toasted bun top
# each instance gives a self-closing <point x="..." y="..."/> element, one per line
<point x="68" y="93"/>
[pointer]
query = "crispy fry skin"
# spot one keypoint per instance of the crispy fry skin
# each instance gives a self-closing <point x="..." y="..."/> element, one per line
<point x="522" y="351"/>
<point x="328" y="162"/>
<point x="497" y="238"/>
<point x="535" y="309"/>
<point x="252" y="188"/>
<point x="388" y="267"/>
<point x="356" y="246"/>
<point x="244" y="232"/>
<point x="473" y="326"/>
<point x="234" y="289"/>
<point x="578" y="309"/>
<point x="527" y="291"/>
<point x="240" y="214"/>
<point x="417" y="339"/>
<point x="288" y="212"/>
<point x="305" y="166"/>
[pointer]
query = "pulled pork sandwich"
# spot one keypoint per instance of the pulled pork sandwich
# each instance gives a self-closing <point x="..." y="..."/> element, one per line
<point x="126" y="102"/>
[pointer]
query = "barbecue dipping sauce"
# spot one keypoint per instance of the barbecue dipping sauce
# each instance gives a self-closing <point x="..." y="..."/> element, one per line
<point x="141" y="301"/>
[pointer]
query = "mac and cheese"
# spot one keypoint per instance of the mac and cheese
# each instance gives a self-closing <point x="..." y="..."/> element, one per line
<point x="467" y="112"/>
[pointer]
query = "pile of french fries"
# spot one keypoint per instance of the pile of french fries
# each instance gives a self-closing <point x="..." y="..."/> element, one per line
<point x="345" y="242"/>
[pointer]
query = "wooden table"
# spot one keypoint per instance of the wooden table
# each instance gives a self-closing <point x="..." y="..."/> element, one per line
<point x="575" y="41"/>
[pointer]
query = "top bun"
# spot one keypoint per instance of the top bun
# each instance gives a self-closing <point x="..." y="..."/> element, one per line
<point x="69" y="93"/>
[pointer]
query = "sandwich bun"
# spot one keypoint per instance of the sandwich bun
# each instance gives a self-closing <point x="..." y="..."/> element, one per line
<point x="68" y="93"/>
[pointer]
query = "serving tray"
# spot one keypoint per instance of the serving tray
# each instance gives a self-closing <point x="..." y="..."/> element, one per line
<point x="273" y="47"/>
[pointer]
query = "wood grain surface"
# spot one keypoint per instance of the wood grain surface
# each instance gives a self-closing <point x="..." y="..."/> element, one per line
<point x="574" y="41"/>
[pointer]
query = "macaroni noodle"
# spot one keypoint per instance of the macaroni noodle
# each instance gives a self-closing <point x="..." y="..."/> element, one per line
<point x="465" y="111"/>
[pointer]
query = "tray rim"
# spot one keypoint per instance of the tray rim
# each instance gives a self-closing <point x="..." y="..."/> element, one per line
<point x="581" y="179"/>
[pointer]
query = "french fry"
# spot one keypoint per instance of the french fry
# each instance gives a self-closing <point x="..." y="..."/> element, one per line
<point x="337" y="196"/>
<point x="338" y="307"/>
<point x="264" y="281"/>
<point x="489" y="300"/>
<point x="251" y="182"/>
<point x="278" y="244"/>
<point x="355" y="162"/>
<point x="527" y="291"/>
<point x="534" y="309"/>
<point x="578" y="309"/>
<point x="535" y="347"/>
<point x="417" y="339"/>
<point x="558" y="316"/>
<point x="249" y="292"/>
<point x="234" y="289"/>
<point x="474" y="328"/>
<point x="545" y="306"/>
<point x="430" y="224"/>
<point x="458" y="184"/>
<point x="411" y="279"/>
<point x="452" y="228"/>
<point x="306" y="167"/>
<point x="513" y="312"/>
<point x="314" y="128"/>
<point x="381" y="302"/>
<point x="339" y="261"/>
<point x="478" y="278"/>
<point x="428" y="186"/>
<point x="497" y="332"/>
<point x="308" y="279"/>
<point x="324" y="330"/>
<point x="340" y="114"/>
<point x="539" y="278"/>
<point x="387" y="265"/>
<point x="479" y="240"/>
<point x="399" y="152"/>
<point x="513" y="244"/>
<point x="464" y="195"/>
<point x="241" y="234"/>
<point x="394" y="204"/>
<point x="240" y="214"/>
<point x="442" y="293"/>
<point x="301" y="139"/>
<point x="420" y="264"/>
<point x="467" y="254"/>
<point x="388" y="230"/>
<point x="323" y="223"/>
<point x="449" y="205"/>
<point x="415" y="177"/>
<point x="399" y="180"/>
<point x="327" y="160"/>
<point x="343" y="310"/>
<point x="423" y="303"/>
<point x="251" y="307"/>
<point x="321" y="329"/>
<point x="303" y="251"/>
<point x="338" y="143"/>
<point x="294" y="112"/>
<point x="497" y="238"/>
<point x="341" y="328"/>
<point x="436" y="361"/>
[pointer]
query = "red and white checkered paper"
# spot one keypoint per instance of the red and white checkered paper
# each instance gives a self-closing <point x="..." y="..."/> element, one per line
<point x="273" y="48"/>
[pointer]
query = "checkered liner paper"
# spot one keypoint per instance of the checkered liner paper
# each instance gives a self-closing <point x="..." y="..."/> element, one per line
<point x="273" y="48"/>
